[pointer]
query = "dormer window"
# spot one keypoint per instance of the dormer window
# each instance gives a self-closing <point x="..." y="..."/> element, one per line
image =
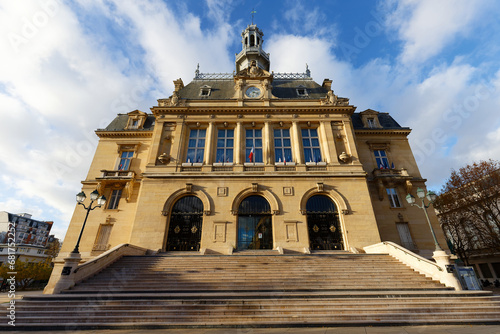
<point x="205" y="90"/>
<point x="301" y="91"/>
<point x="370" y="122"/>
<point x="136" y="120"/>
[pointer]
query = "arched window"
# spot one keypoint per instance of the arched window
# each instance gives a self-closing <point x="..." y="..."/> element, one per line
<point x="186" y="220"/>
<point x="254" y="224"/>
<point x="323" y="224"/>
<point x="252" y="40"/>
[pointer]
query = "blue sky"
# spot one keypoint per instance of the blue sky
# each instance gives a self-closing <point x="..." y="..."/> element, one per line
<point x="67" y="68"/>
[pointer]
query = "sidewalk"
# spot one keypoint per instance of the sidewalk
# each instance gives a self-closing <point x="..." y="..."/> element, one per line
<point x="4" y="296"/>
<point x="458" y="329"/>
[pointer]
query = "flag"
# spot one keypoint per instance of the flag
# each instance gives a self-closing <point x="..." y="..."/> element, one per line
<point x="250" y="156"/>
<point x="392" y="166"/>
<point x="381" y="166"/>
<point x="284" y="160"/>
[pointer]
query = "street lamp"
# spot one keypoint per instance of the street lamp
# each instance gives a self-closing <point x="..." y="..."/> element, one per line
<point x="80" y="197"/>
<point x="431" y="196"/>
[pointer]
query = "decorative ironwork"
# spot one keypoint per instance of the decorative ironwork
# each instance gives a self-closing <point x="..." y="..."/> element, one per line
<point x="213" y="76"/>
<point x="229" y="76"/>
<point x="286" y="76"/>
<point x="186" y="219"/>
<point x="323" y="224"/>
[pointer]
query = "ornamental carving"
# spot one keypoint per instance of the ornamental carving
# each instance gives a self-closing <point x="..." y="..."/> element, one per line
<point x="344" y="157"/>
<point x="253" y="71"/>
<point x="164" y="158"/>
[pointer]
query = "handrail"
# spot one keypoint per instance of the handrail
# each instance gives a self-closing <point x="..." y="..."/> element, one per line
<point x="417" y="262"/>
<point x="102" y="261"/>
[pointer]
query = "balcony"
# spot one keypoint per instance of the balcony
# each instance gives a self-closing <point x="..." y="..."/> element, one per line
<point x="110" y="178"/>
<point x="399" y="174"/>
<point x="117" y="174"/>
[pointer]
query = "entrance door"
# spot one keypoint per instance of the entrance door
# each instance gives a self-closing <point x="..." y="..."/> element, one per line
<point x="255" y="224"/>
<point x="323" y="224"/>
<point x="184" y="230"/>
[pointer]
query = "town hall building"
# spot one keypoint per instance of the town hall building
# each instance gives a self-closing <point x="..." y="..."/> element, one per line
<point x="253" y="160"/>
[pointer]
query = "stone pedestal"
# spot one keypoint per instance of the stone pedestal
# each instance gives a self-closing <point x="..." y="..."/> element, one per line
<point x="443" y="260"/>
<point x="64" y="277"/>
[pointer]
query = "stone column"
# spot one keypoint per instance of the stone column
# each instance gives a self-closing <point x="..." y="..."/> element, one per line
<point x="155" y="143"/>
<point x="209" y="144"/>
<point x="350" y="141"/>
<point x="266" y="138"/>
<point x="297" y="143"/>
<point x="178" y="141"/>
<point x="238" y="143"/>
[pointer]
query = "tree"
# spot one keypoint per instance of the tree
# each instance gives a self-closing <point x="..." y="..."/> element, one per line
<point x="27" y="272"/>
<point x="469" y="209"/>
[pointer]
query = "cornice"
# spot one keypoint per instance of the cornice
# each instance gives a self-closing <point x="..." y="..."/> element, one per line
<point x="124" y="133"/>
<point x="253" y="109"/>
<point x="383" y="132"/>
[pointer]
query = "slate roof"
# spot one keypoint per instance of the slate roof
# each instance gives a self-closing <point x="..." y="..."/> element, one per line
<point x="385" y="120"/>
<point x="223" y="89"/>
<point x="120" y="122"/>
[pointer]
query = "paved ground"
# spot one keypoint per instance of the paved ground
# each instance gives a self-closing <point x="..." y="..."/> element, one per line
<point x="457" y="329"/>
<point x="463" y="329"/>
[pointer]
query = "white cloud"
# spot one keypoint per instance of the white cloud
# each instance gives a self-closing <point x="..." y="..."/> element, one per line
<point x="426" y="27"/>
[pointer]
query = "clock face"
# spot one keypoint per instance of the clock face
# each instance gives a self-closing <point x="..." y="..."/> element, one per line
<point x="252" y="92"/>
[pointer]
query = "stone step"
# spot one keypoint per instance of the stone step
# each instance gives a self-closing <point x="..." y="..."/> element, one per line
<point x="259" y="289"/>
<point x="256" y="307"/>
<point x="229" y="319"/>
<point x="340" y="302"/>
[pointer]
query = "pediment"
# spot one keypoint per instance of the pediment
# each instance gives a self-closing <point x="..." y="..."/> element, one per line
<point x="369" y="112"/>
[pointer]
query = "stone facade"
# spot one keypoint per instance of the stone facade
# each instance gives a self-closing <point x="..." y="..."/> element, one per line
<point x="223" y="139"/>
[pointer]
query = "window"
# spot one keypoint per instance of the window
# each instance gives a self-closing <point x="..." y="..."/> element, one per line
<point x="301" y="91"/>
<point x="205" y="90"/>
<point x="196" y="145"/>
<point x="370" y="122"/>
<point x="134" y="124"/>
<point x="101" y="241"/>
<point x="114" y="199"/>
<point x="381" y="159"/>
<point x="253" y="144"/>
<point x="310" y="141"/>
<point x="393" y="198"/>
<point x="282" y="145"/>
<point x="225" y="142"/>
<point x="125" y="159"/>
<point x="405" y="236"/>
<point x="485" y="270"/>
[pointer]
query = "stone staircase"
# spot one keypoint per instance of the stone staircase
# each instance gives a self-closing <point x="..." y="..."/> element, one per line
<point x="255" y="290"/>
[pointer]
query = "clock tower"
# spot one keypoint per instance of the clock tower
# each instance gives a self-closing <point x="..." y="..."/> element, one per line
<point x="252" y="40"/>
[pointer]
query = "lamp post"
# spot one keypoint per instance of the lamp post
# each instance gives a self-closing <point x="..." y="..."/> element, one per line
<point x="80" y="197"/>
<point x="431" y="196"/>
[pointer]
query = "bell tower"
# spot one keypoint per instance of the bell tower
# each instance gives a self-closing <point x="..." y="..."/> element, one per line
<point x="252" y="40"/>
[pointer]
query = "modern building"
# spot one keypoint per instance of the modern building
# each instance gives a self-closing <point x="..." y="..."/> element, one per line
<point x="29" y="236"/>
<point x="252" y="160"/>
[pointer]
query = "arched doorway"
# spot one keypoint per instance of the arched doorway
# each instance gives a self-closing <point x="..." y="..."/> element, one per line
<point x="255" y="229"/>
<point x="323" y="224"/>
<point x="184" y="230"/>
